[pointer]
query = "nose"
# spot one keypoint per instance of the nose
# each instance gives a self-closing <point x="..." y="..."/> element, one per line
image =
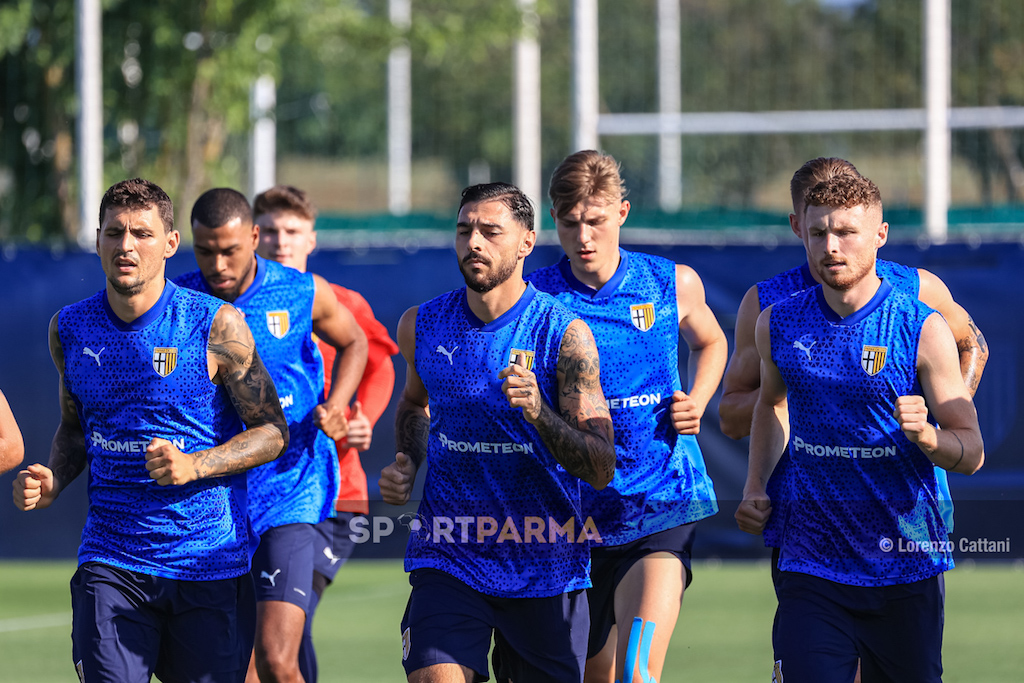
<point x="127" y="241"/>
<point x="220" y="263"/>
<point x="831" y="243"/>
<point x="585" y="233"/>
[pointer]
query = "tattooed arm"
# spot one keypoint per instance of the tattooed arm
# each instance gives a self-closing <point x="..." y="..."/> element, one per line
<point x="412" y="422"/>
<point x="233" y="361"/>
<point x="970" y="342"/>
<point x="37" y="486"/>
<point x="580" y="435"/>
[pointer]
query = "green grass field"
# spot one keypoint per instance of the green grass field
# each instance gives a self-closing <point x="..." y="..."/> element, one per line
<point x="723" y="634"/>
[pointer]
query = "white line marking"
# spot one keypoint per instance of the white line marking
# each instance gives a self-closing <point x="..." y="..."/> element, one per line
<point x="40" y="621"/>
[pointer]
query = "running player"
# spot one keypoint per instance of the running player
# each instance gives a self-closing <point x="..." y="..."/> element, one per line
<point x="284" y="308"/>
<point x="503" y="403"/>
<point x="12" y="446"/>
<point x="638" y="306"/>
<point x="156" y="384"/>
<point x="858" y="376"/>
<point x="286" y="219"/>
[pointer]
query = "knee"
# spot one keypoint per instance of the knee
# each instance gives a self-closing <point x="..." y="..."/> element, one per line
<point x="274" y="666"/>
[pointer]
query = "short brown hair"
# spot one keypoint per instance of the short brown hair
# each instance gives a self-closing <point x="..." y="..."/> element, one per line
<point x="844" y="192"/>
<point x="816" y="171"/>
<point x="139" y="194"/>
<point x="583" y="175"/>
<point x="284" y="198"/>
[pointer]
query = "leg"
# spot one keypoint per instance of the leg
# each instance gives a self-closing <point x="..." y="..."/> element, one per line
<point x="208" y="634"/>
<point x="307" y="653"/>
<point x="278" y="634"/>
<point x="544" y="639"/>
<point x="902" y="642"/>
<point x="814" y="636"/>
<point x="282" y="570"/>
<point x="446" y="630"/>
<point x="115" y="633"/>
<point x="601" y="666"/>
<point x="652" y="590"/>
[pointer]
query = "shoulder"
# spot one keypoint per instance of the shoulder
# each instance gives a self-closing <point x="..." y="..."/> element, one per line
<point x="191" y="280"/>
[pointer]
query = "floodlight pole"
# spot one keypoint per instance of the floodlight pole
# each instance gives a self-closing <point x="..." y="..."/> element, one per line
<point x="586" y="99"/>
<point x="263" y="139"/>
<point x="89" y="85"/>
<point x="937" y="144"/>
<point x="400" y="113"/>
<point x="670" y="99"/>
<point x="526" y="116"/>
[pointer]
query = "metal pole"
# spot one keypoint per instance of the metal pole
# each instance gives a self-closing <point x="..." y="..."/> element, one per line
<point x="263" y="139"/>
<point x="937" y="100"/>
<point x="527" y="108"/>
<point x="400" y="114"/>
<point x="586" y="99"/>
<point x="89" y="85"/>
<point x="670" y="99"/>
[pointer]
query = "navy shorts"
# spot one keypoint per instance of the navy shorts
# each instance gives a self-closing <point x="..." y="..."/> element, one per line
<point x="127" y="626"/>
<point x="446" y="621"/>
<point x="282" y="568"/>
<point x="822" y="628"/>
<point x="610" y="563"/>
<point x="333" y="544"/>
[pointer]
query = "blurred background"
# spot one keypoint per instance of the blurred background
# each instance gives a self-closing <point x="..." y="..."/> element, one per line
<point x="384" y="109"/>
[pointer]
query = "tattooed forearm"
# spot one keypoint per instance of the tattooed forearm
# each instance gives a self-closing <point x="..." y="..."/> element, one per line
<point x="412" y="426"/>
<point x="251" y="448"/>
<point x="585" y="451"/>
<point x="67" y="455"/>
<point x="973" y="356"/>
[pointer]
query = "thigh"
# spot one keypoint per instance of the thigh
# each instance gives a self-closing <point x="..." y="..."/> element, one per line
<point x="814" y="635"/>
<point x="445" y="622"/>
<point x="115" y="630"/>
<point x="282" y="568"/>
<point x="903" y="644"/>
<point x="545" y="639"/>
<point x="208" y="634"/>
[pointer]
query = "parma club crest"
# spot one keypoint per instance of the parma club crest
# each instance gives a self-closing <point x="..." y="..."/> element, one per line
<point x="165" y="359"/>
<point x="278" y="323"/>
<point x="526" y="361"/>
<point x="642" y="316"/>
<point x="873" y="359"/>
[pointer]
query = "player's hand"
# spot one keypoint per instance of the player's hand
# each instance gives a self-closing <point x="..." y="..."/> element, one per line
<point x="331" y="421"/>
<point x="520" y="388"/>
<point x="911" y="414"/>
<point x="360" y="431"/>
<point x="396" y="480"/>
<point x="168" y="465"/>
<point x="34" y="488"/>
<point x="685" y="414"/>
<point x="753" y="512"/>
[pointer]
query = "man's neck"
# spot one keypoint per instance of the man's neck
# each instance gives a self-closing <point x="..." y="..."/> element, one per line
<point x="493" y="304"/>
<point x="129" y="307"/>
<point x="846" y="303"/>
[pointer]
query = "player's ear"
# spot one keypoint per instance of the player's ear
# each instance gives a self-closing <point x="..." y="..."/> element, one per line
<point x="882" y="236"/>
<point x="171" y="247"/>
<point x="527" y="243"/>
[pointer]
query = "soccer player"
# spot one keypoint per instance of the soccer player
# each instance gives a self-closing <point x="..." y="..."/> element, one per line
<point x="286" y="219"/>
<point x="741" y="382"/>
<point x="284" y="307"/>
<point x="157" y="382"/>
<point x="12" y="447"/>
<point x="503" y="403"/>
<point x="638" y="307"/>
<point x="864" y="382"/>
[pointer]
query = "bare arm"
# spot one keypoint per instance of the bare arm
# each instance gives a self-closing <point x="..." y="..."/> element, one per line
<point x="957" y="446"/>
<point x="708" y="351"/>
<point x="970" y="342"/>
<point x="768" y="435"/>
<point x="12" y="446"/>
<point x="580" y="435"/>
<point x="231" y="355"/>
<point x="37" y="486"/>
<point x="412" y="422"/>
<point x="742" y="376"/>
<point x="336" y="326"/>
